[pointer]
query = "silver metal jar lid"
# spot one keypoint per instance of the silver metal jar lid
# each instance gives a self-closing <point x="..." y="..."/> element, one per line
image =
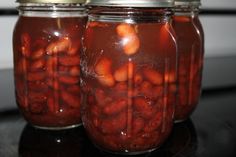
<point x="51" y="1"/>
<point x="188" y="2"/>
<point x="132" y="3"/>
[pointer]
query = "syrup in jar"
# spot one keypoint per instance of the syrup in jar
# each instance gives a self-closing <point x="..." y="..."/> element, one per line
<point x="47" y="45"/>
<point x="190" y="52"/>
<point x="128" y="75"/>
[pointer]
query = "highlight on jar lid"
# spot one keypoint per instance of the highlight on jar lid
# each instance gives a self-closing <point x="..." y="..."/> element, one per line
<point x="131" y="3"/>
<point x="188" y="2"/>
<point x="51" y="1"/>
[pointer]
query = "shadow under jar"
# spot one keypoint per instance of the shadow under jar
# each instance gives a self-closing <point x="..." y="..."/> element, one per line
<point x="128" y="75"/>
<point x="190" y="39"/>
<point x="46" y="143"/>
<point x="47" y="45"/>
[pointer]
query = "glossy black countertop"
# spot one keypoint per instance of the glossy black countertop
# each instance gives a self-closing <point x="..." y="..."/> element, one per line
<point x="211" y="131"/>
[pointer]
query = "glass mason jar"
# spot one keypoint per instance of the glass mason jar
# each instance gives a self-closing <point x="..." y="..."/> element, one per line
<point x="47" y="45"/>
<point x="190" y="52"/>
<point x="128" y="74"/>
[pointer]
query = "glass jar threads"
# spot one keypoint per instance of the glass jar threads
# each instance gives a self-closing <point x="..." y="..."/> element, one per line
<point x="191" y="51"/>
<point x="128" y="76"/>
<point x="47" y="45"/>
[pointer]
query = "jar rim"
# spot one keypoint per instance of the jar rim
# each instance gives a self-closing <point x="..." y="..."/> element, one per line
<point x="132" y="3"/>
<point x="188" y="2"/>
<point x="52" y="10"/>
<point x="51" y="1"/>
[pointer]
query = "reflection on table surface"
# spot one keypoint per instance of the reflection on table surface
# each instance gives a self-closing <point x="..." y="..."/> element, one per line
<point x="74" y="142"/>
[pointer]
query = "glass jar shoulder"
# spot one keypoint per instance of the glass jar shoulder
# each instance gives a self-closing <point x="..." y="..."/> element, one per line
<point x="114" y="34"/>
<point x="48" y="21"/>
<point x="198" y="26"/>
<point x="146" y="44"/>
<point x="49" y="29"/>
<point x="185" y="28"/>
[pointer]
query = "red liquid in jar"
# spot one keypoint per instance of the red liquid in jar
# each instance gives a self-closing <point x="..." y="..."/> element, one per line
<point x="190" y="48"/>
<point x="47" y="70"/>
<point x="128" y="81"/>
<point x="199" y="27"/>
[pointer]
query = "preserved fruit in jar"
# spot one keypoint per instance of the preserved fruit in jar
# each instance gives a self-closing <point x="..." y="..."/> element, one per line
<point x="47" y="47"/>
<point x="190" y="53"/>
<point x="128" y="78"/>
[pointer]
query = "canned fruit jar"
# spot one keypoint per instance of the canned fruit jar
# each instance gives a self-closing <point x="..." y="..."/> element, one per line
<point x="128" y="78"/>
<point x="47" y="47"/>
<point x="190" y="53"/>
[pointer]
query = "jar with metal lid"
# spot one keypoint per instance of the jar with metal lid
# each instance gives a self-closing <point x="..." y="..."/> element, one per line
<point x="191" y="51"/>
<point x="128" y="74"/>
<point x="47" y="45"/>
